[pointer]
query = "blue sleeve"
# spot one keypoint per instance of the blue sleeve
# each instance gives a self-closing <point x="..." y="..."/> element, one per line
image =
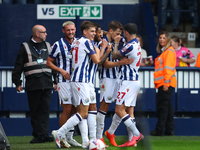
<point x="90" y="47"/>
<point x="53" y="51"/>
<point x="126" y="49"/>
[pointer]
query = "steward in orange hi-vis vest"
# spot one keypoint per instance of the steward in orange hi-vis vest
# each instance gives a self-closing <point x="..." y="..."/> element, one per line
<point x="198" y="61"/>
<point x="165" y="69"/>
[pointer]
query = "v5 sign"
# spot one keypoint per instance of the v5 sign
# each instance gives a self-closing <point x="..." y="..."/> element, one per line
<point x="69" y="11"/>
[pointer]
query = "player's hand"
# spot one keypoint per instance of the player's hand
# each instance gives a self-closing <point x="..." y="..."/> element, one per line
<point x="55" y="87"/>
<point x="117" y="39"/>
<point x="65" y="75"/>
<point x="19" y="88"/>
<point x="104" y="43"/>
<point x="97" y="50"/>
<point x="126" y="61"/>
<point x="109" y="49"/>
<point x="165" y="88"/>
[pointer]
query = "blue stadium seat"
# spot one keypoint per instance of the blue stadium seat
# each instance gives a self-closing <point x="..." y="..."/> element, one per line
<point x="188" y="100"/>
<point x="14" y="101"/>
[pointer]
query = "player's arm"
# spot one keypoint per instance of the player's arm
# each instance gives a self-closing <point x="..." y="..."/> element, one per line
<point x="51" y="65"/>
<point x="103" y="44"/>
<point x="105" y="55"/>
<point x="116" y="54"/>
<point x="125" y="61"/>
<point x="95" y="56"/>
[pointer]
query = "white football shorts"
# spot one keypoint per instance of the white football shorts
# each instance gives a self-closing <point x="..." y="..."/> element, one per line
<point x="92" y="93"/>
<point x="128" y="92"/>
<point x="64" y="92"/>
<point x="80" y="93"/>
<point x="108" y="88"/>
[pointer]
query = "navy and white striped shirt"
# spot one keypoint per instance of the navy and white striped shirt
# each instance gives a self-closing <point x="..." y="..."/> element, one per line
<point x="131" y="49"/>
<point x="61" y="52"/>
<point x="110" y="72"/>
<point x="81" y="51"/>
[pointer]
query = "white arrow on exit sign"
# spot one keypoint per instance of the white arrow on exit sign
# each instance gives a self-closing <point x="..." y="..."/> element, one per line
<point x="95" y="11"/>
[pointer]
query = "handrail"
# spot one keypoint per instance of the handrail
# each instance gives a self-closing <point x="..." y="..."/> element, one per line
<point x="141" y="68"/>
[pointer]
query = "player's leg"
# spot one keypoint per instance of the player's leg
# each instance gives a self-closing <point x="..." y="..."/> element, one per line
<point x="91" y="120"/>
<point x="101" y="114"/>
<point x="113" y="127"/>
<point x="127" y="98"/>
<point x="66" y="113"/>
<point x="92" y="113"/>
<point x="81" y="100"/>
<point x="107" y="96"/>
<point x="64" y="94"/>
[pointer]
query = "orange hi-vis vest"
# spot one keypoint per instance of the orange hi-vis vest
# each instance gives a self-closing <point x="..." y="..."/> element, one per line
<point x="198" y="61"/>
<point x="164" y="73"/>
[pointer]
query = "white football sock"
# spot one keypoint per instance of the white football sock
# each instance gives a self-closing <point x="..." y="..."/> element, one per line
<point x="130" y="124"/>
<point x="71" y="122"/>
<point x="83" y="127"/>
<point x="115" y="123"/>
<point x="70" y="134"/>
<point x="100" y="123"/>
<point x="130" y="133"/>
<point x="92" y="124"/>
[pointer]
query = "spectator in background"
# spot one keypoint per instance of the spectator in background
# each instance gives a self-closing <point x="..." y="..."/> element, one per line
<point x="198" y="61"/>
<point x="165" y="82"/>
<point x="183" y="55"/>
<point x="43" y="1"/>
<point x="174" y="5"/>
<point x="145" y="60"/>
<point x="69" y="1"/>
<point x="14" y="2"/>
<point x="198" y="12"/>
<point x="193" y="6"/>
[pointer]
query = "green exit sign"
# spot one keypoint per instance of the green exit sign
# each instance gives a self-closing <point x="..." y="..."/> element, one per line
<point x="69" y="11"/>
<point x="85" y="12"/>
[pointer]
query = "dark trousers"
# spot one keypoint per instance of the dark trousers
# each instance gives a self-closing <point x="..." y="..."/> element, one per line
<point x="39" y="105"/>
<point x="165" y="111"/>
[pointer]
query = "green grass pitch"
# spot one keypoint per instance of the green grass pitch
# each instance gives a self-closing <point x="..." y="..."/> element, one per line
<point x="148" y="143"/>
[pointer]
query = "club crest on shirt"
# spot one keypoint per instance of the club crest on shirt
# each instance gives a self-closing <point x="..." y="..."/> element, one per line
<point x="92" y="98"/>
<point x="109" y="98"/>
<point x="79" y="88"/>
<point x="87" y="100"/>
<point x="66" y="99"/>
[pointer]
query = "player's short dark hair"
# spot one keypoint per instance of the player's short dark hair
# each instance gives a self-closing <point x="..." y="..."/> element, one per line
<point x="97" y="26"/>
<point x="114" y="25"/>
<point x="85" y="25"/>
<point x="131" y="28"/>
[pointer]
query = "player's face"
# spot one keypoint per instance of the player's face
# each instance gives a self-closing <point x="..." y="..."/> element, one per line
<point x="115" y="33"/>
<point x="90" y="33"/>
<point x="69" y="31"/>
<point x="125" y="35"/>
<point x="97" y="37"/>
<point x="162" y="40"/>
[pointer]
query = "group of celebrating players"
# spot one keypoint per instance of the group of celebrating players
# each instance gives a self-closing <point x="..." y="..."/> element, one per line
<point x="78" y="60"/>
